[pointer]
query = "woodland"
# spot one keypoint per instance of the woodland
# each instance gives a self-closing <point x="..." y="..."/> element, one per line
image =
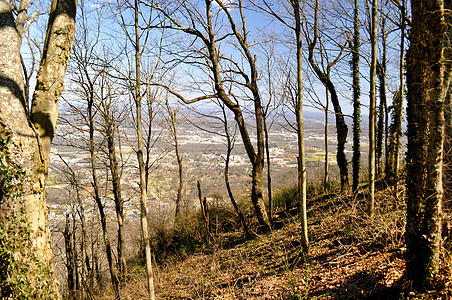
<point x="96" y="96"/>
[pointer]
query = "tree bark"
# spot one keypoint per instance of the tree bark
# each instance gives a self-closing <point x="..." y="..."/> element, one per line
<point x="97" y="198"/>
<point x="372" y="115"/>
<point x="226" y="173"/>
<point x="69" y="259"/>
<point x="392" y="174"/>
<point x="119" y="202"/>
<point x="327" y="148"/>
<point x="300" y="130"/>
<point x="142" y="169"/>
<point x="172" y="124"/>
<point x="356" y="102"/>
<point x="269" y="174"/>
<point x="27" y="271"/>
<point x="204" y="210"/>
<point x="381" y="73"/>
<point x="427" y="82"/>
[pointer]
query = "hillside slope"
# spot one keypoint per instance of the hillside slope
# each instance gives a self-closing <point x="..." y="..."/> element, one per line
<point x="351" y="257"/>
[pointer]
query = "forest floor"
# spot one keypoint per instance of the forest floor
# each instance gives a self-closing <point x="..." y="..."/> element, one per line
<point x="351" y="256"/>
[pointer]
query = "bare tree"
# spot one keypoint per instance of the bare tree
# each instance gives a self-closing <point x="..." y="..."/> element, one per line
<point x="296" y="96"/>
<point x="395" y="129"/>
<point x="325" y="78"/>
<point x="223" y="72"/>
<point x="171" y="119"/>
<point x="230" y="145"/>
<point x="143" y="182"/>
<point x="111" y="117"/>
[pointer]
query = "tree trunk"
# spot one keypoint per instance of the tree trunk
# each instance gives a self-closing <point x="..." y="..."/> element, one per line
<point x="327" y="150"/>
<point x="356" y="102"/>
<point x="381" y="73"/>
<point x="392" y="175"/>
<point x="269" y="174"/>
<point x="97" y="198"/>
<point x="27" y="271"/>
<point x="119" y="202"/>
<point x="226" y="173"/>
<point x="372" y="116"/>
<point x="204" y="210"/>
<point x="180" y="186"/>
<point x="142" y="169"/>
<point x="69" y="259"/>
<point x="300" y="130"/>
<point x="382" y="112"/>
<point x="448" y="114"/>
<point x="427" y="82"/>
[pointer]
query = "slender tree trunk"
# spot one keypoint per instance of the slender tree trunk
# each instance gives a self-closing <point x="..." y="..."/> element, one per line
<point x="204" y="210"/>
<point x="381" y="73"/>
<point x="180" y="172"/>
<point x="327" y="150"/>
<point x="27" y="271"/>
<point x="86" y="269"/>
<point x="269" y="174"/>
<point x="142" y="169"/>
<point x="97" y="198"/>
<point x="372" y="116"/>
<point x="356" y="102"/>
<point x="69" y="259"/>
<point x="226" y="173"/>
<point x="73" y="240"/>
<point x="119" y="202"/>
<point x="300" y="130"/>
<point x="181" y="182"/>
<point x="398" y="105"/>
<point x="427" y="82"/>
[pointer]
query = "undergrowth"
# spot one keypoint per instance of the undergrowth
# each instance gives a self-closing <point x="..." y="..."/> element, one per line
<point x="351" y="256"/>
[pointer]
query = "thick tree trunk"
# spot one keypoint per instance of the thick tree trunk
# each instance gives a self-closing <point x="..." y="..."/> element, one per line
<point x="427" y="82"/>
<point x="257" y="195"/>
<point x="27" y="271"/>
<point x="448" y="115"/>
